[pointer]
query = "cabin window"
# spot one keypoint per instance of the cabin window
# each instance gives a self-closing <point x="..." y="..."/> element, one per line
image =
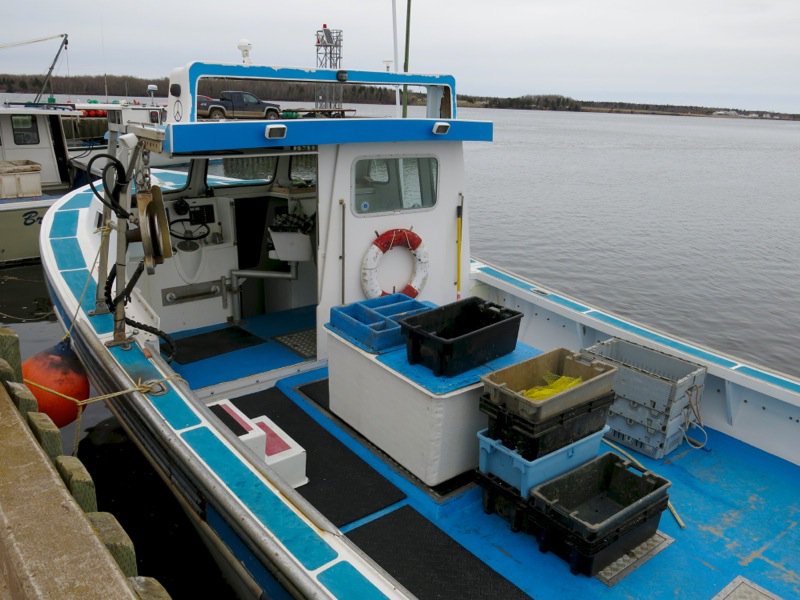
<point x="303" y="170"/>
<point x="26" y="130"/>
<point x="242" y="171"/>
<point x="392" y="184"/>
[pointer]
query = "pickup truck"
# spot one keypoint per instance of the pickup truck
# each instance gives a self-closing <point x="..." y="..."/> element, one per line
<point x="236" y="105"/>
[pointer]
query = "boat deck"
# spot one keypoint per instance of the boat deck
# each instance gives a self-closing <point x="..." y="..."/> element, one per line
<point x="741" y="506"/>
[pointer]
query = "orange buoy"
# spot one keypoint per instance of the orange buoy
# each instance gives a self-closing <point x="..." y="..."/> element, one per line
<point x="58" y="369"/>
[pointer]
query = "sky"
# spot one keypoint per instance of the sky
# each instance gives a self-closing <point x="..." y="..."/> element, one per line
<point x="741" y="54"/>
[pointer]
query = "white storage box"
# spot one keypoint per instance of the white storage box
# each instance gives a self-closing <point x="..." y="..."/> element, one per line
<point x="433" y="436"/>
<point x="20" y="179"/>
<point x="291" y="245"/>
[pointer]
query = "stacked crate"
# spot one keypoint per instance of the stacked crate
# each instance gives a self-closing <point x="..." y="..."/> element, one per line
<point x="657" y="396"/>
<point x="540" y="469"/>
<point x="528" y="441"/>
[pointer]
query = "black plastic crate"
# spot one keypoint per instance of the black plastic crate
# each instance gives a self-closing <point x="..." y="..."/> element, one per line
<point x="461" y="335"/>
<point x="594" y="514"/>
<point x="532" y="440"/>
<point x="503" y="499"/>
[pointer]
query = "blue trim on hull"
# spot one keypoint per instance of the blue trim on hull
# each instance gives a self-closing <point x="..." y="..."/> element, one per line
<point x="170" y="405"/>
<point x="68" y="253"/>
<point x="294" y="533"/>
<point x="696" y="352"/>
<point x="77" y="282"/>
<point x="344" y="581"/>
<point x="78" y="201"/>
<point x="235" y="544"/>
<point x="65" y="224"/>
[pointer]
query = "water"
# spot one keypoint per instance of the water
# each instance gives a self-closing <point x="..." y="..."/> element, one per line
<point x="683" y="223"/>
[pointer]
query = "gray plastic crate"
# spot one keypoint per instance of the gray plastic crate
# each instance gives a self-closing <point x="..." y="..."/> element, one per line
<point x="659" y="440"/>
<point x="649" y="377"/>
<point x="503" y="387"/>
<point x="652" y="418"/>
<point x="655" y="446"/>
<point x="654" y="391"/>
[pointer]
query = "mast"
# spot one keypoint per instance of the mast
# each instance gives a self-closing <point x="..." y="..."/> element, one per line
<point x="62" y="46"/>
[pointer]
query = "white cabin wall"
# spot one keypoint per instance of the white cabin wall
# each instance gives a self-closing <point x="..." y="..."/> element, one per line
<point x="41" y="153"/>
<point x="436" y="227"/>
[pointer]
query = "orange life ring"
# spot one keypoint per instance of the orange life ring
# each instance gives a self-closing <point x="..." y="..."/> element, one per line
<point x="380" y="246"/>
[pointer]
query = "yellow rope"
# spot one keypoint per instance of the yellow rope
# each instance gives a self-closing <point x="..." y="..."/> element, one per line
<point x="627" y="455"/>
<point x="145" y="388"/>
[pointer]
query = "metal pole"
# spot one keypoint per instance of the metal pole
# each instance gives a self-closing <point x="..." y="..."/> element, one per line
<point x="396" y="55"/>
<point x="405" y="63"/>
<point x="64" y="43"/>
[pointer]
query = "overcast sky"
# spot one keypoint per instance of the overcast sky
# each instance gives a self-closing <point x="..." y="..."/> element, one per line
<point x="726" y="53"/>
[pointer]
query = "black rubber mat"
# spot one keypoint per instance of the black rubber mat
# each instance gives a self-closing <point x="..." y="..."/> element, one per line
<point x="318" y="392"/>
<point x="427" y="561"/>
<point x="342" y="486"/>
<point x="229" y="421"/>
<point x="206" y="345"/>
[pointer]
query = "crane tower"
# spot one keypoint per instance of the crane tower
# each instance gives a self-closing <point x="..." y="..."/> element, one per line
<point x="329" y="56"/>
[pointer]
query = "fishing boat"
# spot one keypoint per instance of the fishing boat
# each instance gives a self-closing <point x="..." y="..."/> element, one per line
<point x="34" y="172"/>
<point x="336" y="391"/>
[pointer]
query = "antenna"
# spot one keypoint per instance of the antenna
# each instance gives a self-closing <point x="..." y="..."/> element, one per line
<point x="329" y="56"/>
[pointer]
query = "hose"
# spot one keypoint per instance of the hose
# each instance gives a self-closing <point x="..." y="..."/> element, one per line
<point x="120" y="181"/>
<point x="125" y="296"/>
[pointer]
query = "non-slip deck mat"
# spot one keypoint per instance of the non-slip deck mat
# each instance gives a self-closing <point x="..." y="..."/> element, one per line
<point x="302" y="342"/>
<point x="427" y="561"/>
<point x="318" y="392"/>
<point x="342" y="486"/>
<point x="205" y="345"/>
<point x="228" y="420"/>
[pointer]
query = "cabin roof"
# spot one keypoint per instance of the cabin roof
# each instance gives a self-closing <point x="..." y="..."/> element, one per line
<point x="13" y="108"/>
<point x="226" y="136"/>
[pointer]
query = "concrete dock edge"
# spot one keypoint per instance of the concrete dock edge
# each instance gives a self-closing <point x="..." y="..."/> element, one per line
<point x="53" y="542"/>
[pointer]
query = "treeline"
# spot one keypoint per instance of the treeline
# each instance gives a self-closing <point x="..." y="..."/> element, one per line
<point x="650" y="108"/>
<point x="82" y="85"/>
<point x="134" y="87"/>
<point x="529" y="102"/>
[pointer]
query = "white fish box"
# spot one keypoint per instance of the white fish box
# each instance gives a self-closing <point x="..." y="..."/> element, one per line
<point x="20" y="179"/>
<point x="433" y="436"/>
<point x="279" y="450"/>
<point x="291" y="245"/>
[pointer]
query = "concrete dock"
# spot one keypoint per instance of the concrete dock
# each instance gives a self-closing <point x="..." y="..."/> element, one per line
<point x="53" y="542"/>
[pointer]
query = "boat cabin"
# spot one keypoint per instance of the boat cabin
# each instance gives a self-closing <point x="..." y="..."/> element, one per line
<point x="36" y="134"/>
<point x="282" y="218"/>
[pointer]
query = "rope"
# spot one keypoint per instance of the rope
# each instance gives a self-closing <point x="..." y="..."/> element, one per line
<point x="627" y="455"/>
<point x="144" y="388"/>
<point x="103" y="229"/>
<point x="41" y="317"/>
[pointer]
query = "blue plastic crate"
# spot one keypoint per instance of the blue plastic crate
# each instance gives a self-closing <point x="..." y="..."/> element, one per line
<point x="508" y="465"/>
<point x="372" y="324"/>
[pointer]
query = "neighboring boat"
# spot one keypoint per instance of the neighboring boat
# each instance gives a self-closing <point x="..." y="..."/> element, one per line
<point x="45" y="151"/>
<point x="34" y="171"/>
<point x="275" y="383"/>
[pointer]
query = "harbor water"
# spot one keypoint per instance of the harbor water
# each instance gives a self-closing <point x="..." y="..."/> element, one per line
<point x="685" y="224"/>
